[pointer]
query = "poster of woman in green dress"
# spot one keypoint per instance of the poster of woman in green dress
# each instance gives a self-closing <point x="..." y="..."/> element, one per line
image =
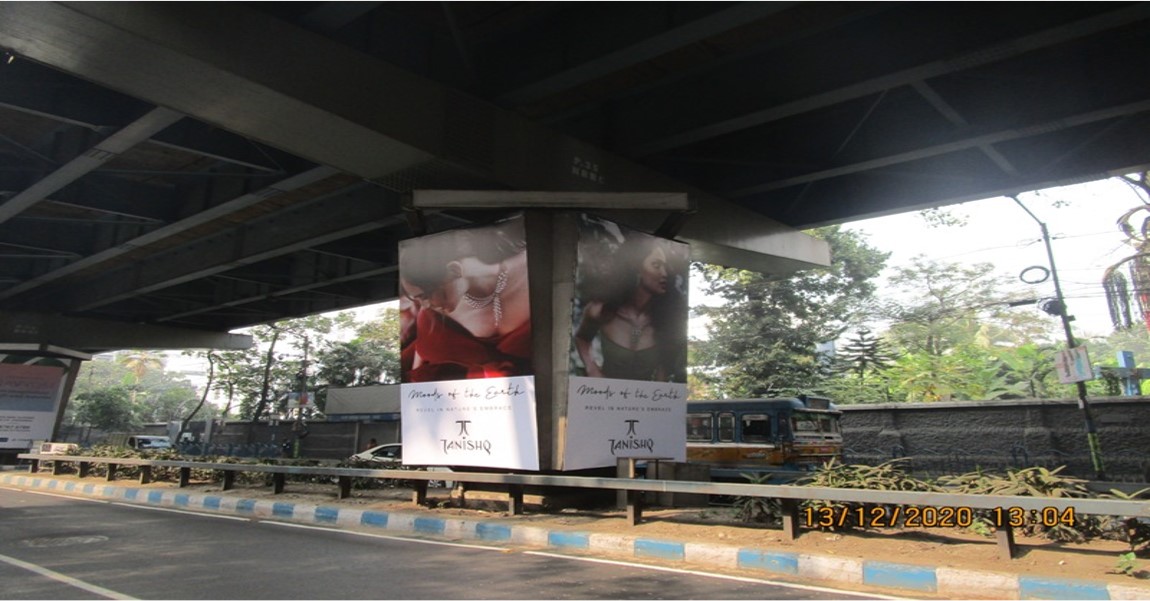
<point x="630" y="307"/>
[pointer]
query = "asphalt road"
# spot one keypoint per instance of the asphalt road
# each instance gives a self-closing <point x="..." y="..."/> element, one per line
<point x="55" y="547"/>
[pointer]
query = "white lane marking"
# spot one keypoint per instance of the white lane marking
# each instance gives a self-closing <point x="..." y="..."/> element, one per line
<point x="137" y="506"/>
<point x="806" y="587"/>
<point x="58" y="496"/>
<point x="70" y="581"/>
<point x="184" y="511"/>
<point x="386" y="537"/>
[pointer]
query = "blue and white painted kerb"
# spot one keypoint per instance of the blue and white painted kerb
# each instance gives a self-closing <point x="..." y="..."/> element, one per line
<point x="905" y="578"/>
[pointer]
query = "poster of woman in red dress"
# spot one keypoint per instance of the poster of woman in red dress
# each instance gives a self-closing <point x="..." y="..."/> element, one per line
<point x="465" y="310"/>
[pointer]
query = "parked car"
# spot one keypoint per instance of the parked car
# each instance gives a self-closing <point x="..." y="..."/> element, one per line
<point x="390" y="456"/>
<point x="149" y="443"/>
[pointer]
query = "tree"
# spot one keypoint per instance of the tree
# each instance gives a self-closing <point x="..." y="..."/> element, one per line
<point x="108" y="409"/>
<point x="281" y="362"/>
<point x="155" y="395"/>
<point x="140" y="362"/>
<point x="211" y="358"/>
<point x="1029" y="367"/>
<point x="163" y="397"/>
<point x="959" y="338"/>
<point x="859" y="366"/>
<point x="369" y="358"/>
<point x="95" y="375"/>
<point x="863" y="355"/>
<point x="937" y="306"/>
<point x="239" y="379"/>
<point x="763" y="339"/>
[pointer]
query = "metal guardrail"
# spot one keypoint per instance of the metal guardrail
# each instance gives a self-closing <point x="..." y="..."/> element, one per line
<point x="1025" y="508"/>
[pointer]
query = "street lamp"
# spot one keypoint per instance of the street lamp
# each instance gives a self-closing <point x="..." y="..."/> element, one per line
<point x="1060" y="309"/>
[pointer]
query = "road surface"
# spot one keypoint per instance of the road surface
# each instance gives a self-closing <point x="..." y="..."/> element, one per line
<point x="57" y="547"/>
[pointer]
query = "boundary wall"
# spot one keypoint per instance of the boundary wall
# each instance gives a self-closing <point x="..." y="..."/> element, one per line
<point x="962" y="436"/>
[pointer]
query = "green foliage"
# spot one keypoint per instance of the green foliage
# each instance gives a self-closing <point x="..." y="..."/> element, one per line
<point x="1133" y="531"/>
<point x="371" y="357"/>
<point x="924" y="377"/>
<point x="1029" y="368"/>
<point x="940" y="218"/>
<point x="109" y="409"/>
<point x="936" y="307"/>
<point x="239" y="376"/>
<point x="763" y="339"/>
<point x="1031" y="482"/>
<point x="761" y="510"/>
<point x="1027" y="482"/>
<point x="297" y="353"/>
<point x="164" y="398"/>
<point x="863" y="355"/>
<point x="140" y="363"/>
<point x="952" y="335"/>
<point x="835" y="474"/>
<point x="954" y="338"/>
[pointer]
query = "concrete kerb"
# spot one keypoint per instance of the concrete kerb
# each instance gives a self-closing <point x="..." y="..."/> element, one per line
<point x="894" y="577"/>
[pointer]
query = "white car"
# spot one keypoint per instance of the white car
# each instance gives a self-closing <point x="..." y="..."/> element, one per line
<point x="149" y="443"/>
<point x="390" y="456"/>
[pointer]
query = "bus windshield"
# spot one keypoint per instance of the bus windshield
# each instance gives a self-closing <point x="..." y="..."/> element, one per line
<point x="805" y="422"/>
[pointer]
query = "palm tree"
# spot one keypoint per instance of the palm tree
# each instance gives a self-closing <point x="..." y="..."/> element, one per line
<point x="140" y="362"/>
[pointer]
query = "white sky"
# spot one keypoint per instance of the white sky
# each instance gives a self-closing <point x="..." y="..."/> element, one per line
<point x="1084" y="236"/>
<point x="1085" y="240"/>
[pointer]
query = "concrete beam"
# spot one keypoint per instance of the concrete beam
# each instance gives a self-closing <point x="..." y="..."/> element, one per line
<point x="490" y="199"/>
<point x="358" y="114"/>
<point x="136" y="132"/>
<point x="277" y="234"/>
<point x="96" y="335"/>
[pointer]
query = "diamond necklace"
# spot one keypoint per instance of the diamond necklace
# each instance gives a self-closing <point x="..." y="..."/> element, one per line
<point x="637" y="323"/>
<point x="492" y="299"/>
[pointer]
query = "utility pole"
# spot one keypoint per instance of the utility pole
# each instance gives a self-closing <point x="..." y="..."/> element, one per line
<point x="1091" y="431"/>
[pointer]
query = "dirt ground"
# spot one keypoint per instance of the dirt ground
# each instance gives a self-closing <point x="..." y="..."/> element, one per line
<point x="945" y="547"/>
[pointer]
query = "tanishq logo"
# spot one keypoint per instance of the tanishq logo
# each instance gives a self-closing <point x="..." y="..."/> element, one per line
<point x="632" y="442"/>
<point x="463" y="443"/>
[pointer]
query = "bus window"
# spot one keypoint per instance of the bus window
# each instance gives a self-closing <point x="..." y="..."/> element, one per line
<point x="756" y="428"/>
<point x="699" y="427"/>
<point x="726" y="427"/>
<point x="805" y="423"/>
<point x="828" y="424"/>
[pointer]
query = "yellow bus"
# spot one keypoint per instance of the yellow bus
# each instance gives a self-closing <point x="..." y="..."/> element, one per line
<point x="759" y="436"/>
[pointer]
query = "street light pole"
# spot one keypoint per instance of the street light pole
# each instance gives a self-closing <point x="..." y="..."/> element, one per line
<point x="1091" y="431"/>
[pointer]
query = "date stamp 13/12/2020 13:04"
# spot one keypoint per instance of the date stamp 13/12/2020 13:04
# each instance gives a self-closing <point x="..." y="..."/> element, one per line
<point x="934" y="517"/>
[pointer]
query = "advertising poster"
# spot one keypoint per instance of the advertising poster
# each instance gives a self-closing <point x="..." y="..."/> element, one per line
<point x="29" y="399"/>
<point x="627" y="392"/>
<point x="488" y="422"/>
<point x="466" y="348"/>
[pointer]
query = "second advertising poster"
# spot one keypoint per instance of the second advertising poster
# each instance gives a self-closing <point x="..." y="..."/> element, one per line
<point x="627" y="391"/>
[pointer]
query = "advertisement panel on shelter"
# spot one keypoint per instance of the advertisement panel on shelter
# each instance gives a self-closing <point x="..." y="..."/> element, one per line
<point x="29" y="400"/>
<point x="627" y="392"/>
<point x="468" y="385"/>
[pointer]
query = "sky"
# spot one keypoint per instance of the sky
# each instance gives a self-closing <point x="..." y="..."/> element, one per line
<point x="1084" y="237"/>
